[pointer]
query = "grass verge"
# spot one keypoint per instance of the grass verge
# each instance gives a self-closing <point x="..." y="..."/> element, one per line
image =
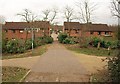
<point x="36" y="52"/>
<point x="91" y="50"/>
<point x="13" y="74"/>
<point x="100" y="76"/>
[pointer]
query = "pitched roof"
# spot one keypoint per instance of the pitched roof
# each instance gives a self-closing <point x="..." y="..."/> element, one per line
<point x="89" y="27"/>
<point x="97" y="27"/>
<point x="22" y="25"/>
<point x="72" y="25"/>
<point x="57" y="27"/>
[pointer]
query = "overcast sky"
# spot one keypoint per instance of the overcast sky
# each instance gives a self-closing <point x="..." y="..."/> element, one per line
<point x="9" y="9"/>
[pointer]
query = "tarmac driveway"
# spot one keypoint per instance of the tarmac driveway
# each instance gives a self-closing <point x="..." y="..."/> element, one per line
<point x="58" y="64"/>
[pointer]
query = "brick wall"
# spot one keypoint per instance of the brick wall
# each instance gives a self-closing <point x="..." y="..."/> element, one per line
<point x="80" y="33"/>
<point x="22" y="35"/>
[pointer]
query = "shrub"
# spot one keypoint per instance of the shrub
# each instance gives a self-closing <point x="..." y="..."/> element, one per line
<point x="12" y="46"/>
<point x="114" y="44"/>
<point x="66" y="41"/>
<point x="48" y="39"/>
<point x="69" y="40"/>
<point x="62" y="36"/>
<point x="43" y="40"/>
<point x="28" y="44"/>
<point x="39" y="41"/>
<point x="84" y="42"/>
<point x="21" y="49"/>
<point x="103" y="43"/>
<point x="107" y="44"/>
<point x="4" y="47"/>
<point x="95" y="41"/>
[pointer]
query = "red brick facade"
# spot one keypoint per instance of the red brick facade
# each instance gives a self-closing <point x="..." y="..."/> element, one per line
<point x="15" y="30"/>
<point x="76" y="29"/>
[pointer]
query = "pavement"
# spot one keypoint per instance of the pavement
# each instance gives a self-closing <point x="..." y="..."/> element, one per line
<point x="26" y="62"/>
<point x="58" y="64"/>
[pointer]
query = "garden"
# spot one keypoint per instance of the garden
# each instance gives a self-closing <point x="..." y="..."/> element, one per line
<point x="98" y="46"/>
<point x="19" y="48"/>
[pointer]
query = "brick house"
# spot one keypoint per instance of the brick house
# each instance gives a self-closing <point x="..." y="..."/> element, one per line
<point x="77" y="29"/>
<point x="16" y="30"/>
<point x="57" y="28"/>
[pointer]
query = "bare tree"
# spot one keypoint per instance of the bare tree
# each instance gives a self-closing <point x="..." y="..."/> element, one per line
<point x="27" y="15"/>
<point x="50" y="14"/>
<point x="86" y="10"/>
<point x="68" y="13"/>
<point x="54" y="14"/>
<point x="46" y="14"/>
<point x="115" y="9"/>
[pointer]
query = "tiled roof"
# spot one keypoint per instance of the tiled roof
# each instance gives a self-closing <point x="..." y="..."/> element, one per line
<point x="97" y="27"/>
<point x="57" y="27"/>
<point x="89" y="27"/>
<point x="22" y="25"/>
<point x="72" y="25"/>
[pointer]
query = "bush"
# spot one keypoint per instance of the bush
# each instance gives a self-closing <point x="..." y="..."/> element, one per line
<point x="69" y="40"/>
<point x="95" y="41"/>
<point x="12" y="46"/>
<point x="84" y="42"/>
<point x="48" y="39"/>
<point x="62" y="36"/>
<point x="107" y="44"/>
<point x="4" y="47"/>
<point x="114" y="44"/>
<point x="39" y="41"/>
<point x="103" y="43"/>
<point x="28" y="44"/>
<point x="21" y="49"/>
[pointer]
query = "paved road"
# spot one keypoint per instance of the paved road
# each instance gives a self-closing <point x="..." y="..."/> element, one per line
<point x="58" y="64"/>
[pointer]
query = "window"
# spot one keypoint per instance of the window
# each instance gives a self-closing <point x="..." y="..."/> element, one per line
<point x="99" y="33"/>
<point x="41" y="28"/>
<point x="91" y="32"/>
<point x="77" y="31"/>
<point x="37" y="30"/>
<point x="13" y="38"/>
<point x="6" y="31"/>
<point x="21" y="31"/>
<point x="29" y="31"/>
<point x="13" y="31"/>
<point x="106" y="33"/>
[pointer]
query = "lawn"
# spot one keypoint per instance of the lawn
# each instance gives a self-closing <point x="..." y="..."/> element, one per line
<point x="36" y="52"/>
<point x="91" y="50"/>
<point x="13" y="74"/>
